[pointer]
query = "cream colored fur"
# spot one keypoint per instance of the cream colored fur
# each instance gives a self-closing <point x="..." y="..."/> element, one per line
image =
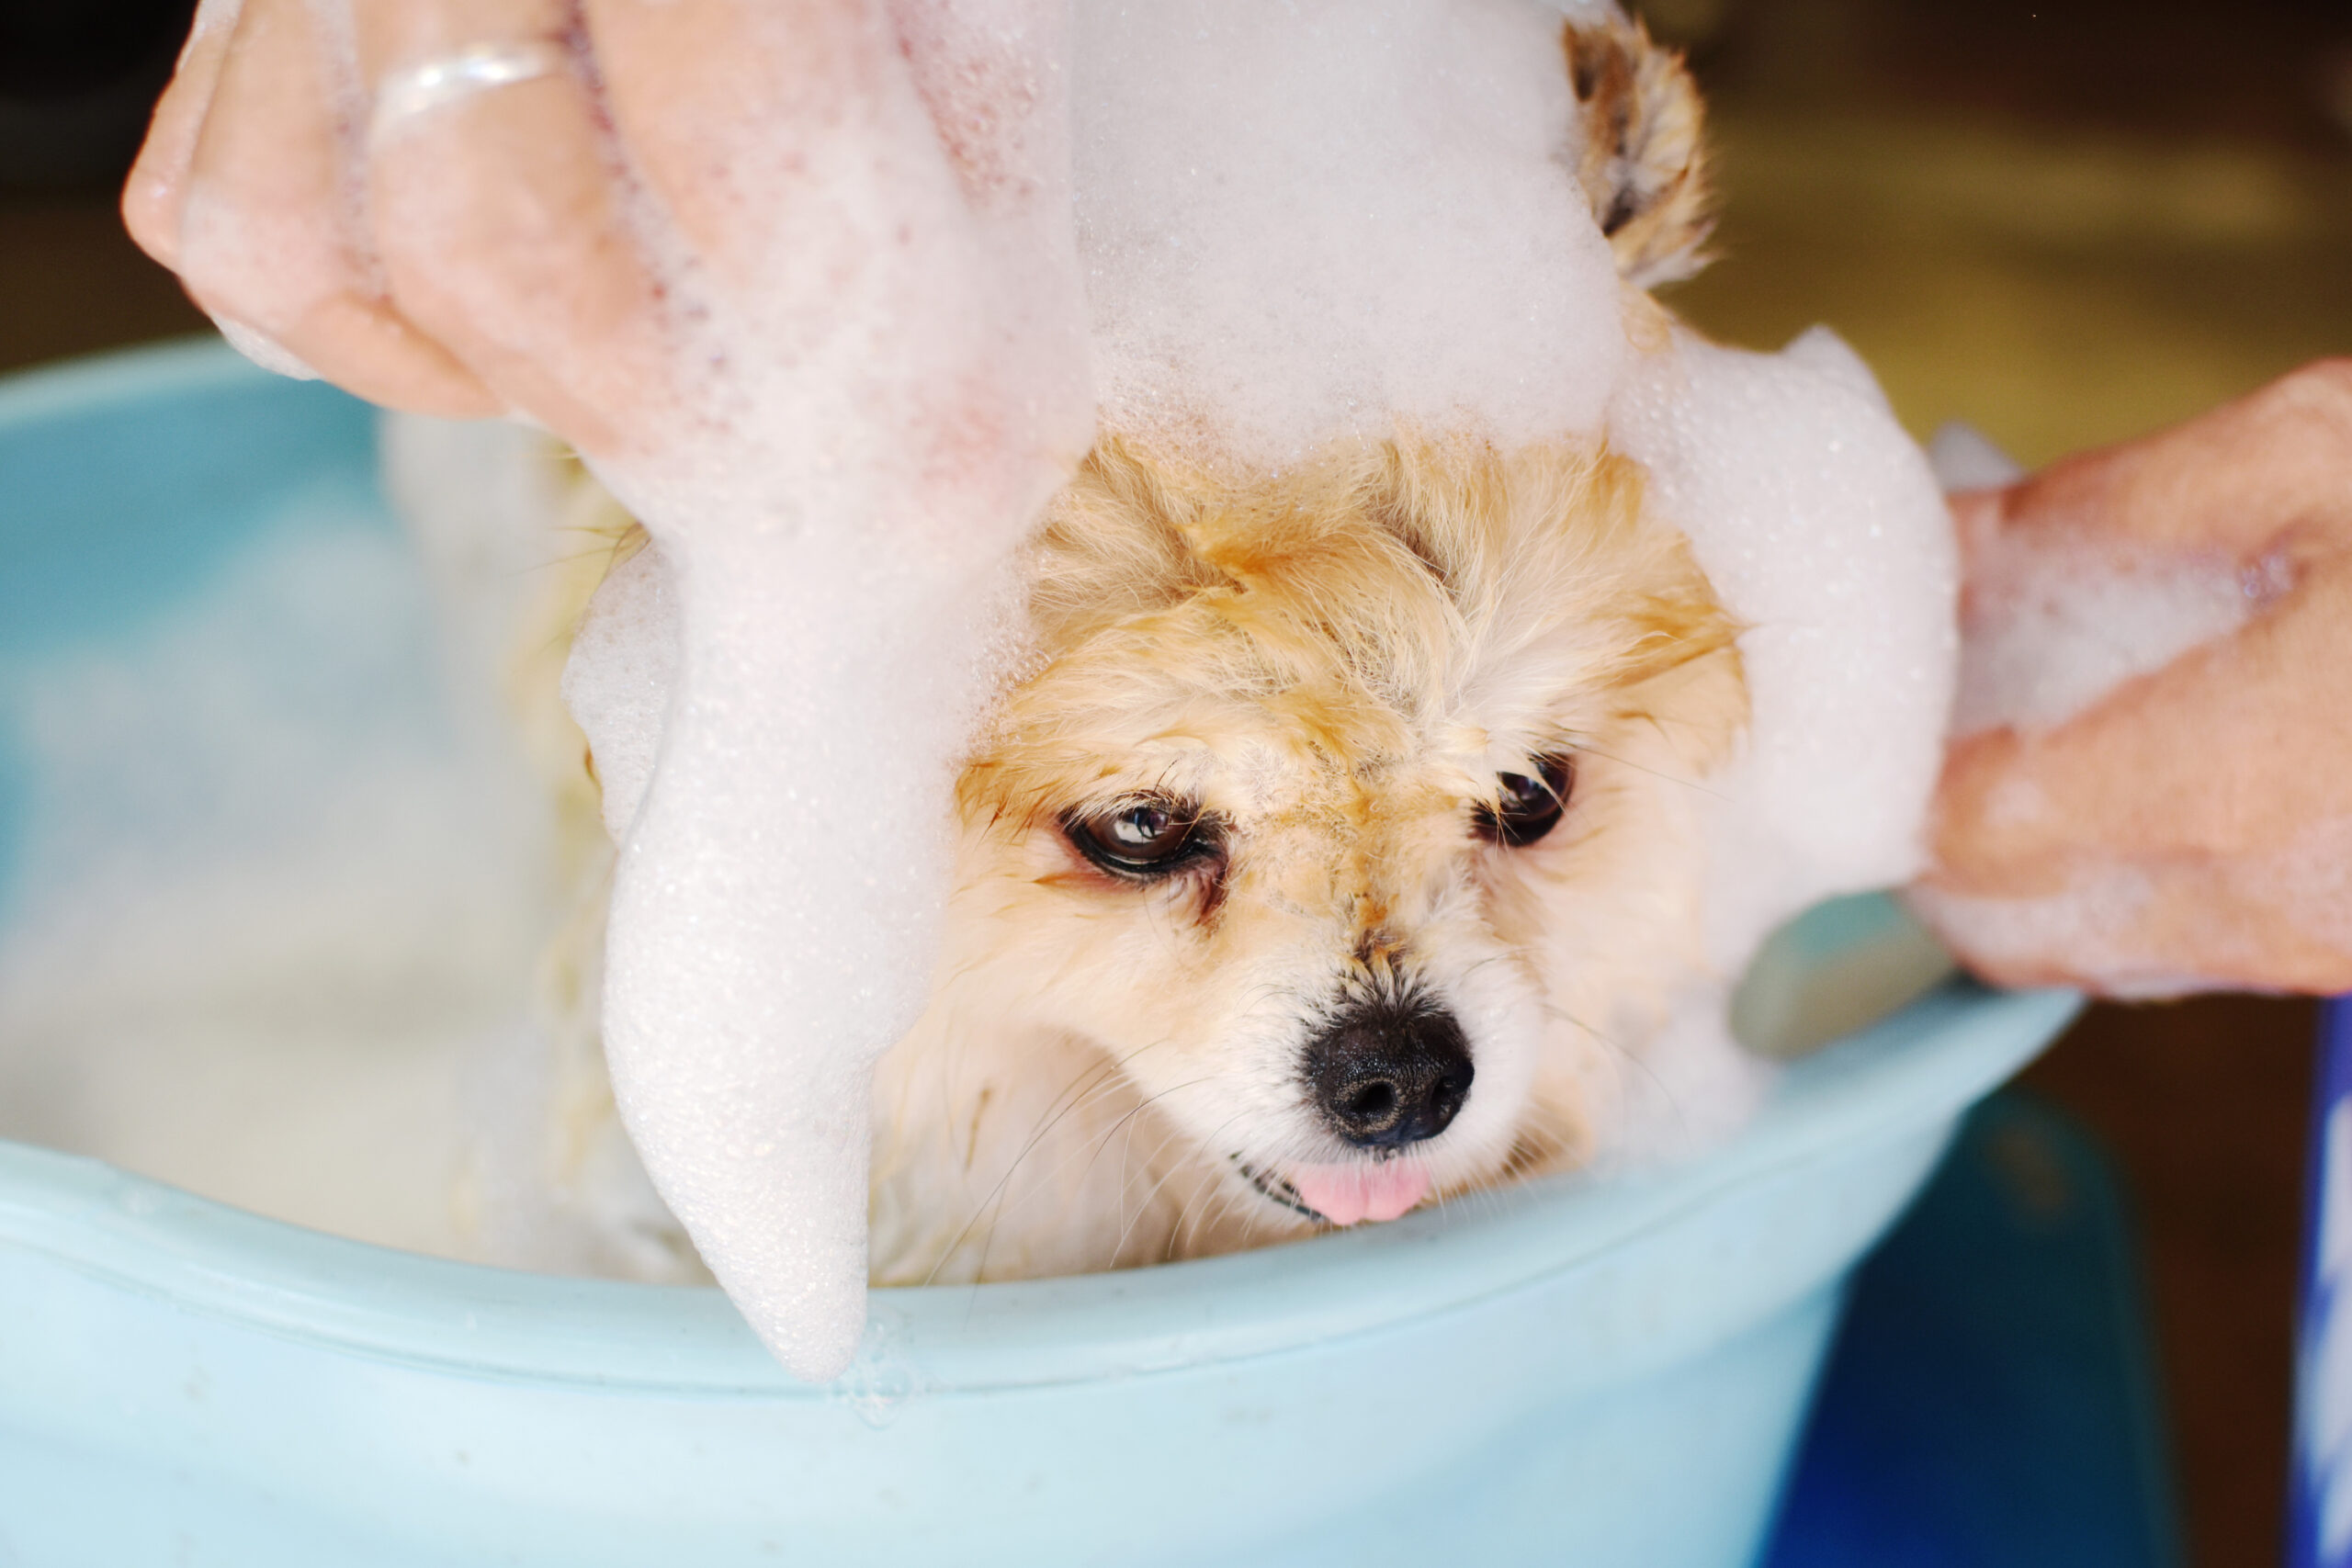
<point x="1338" y="666"/>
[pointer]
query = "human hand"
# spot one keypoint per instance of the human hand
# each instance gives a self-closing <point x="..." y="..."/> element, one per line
<point x="2191" y="829"/>
<point x="623" y="219"/>
<point x="797" y="277"/>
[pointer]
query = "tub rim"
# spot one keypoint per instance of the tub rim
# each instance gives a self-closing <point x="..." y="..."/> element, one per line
<point x="92" y="383"/>
<point x="1897" y="1080"/>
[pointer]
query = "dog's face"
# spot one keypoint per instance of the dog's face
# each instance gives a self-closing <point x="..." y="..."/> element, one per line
<point x="1334" y="808"/>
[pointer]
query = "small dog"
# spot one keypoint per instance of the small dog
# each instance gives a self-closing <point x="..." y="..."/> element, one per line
<point x="1344" y="825"/>
<point x="1337" y="847"/>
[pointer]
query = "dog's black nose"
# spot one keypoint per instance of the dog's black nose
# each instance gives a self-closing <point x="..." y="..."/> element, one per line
<point x="1388" y="1075"/>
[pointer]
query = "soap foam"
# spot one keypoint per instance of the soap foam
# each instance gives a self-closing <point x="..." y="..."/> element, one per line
<point x="624" y="663"/>
<point x="1819" y="525"/>
<point x="1313" y="221"/>
<point x="862" y="432"/>
<point x="1963" y="458"/>
<point x="2051" y="630"/>
<point x="272" y="896"/>
<point x="2053" y="623"/>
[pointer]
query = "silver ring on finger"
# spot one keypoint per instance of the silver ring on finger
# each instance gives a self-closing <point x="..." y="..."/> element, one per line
<point x="408" y="94"/>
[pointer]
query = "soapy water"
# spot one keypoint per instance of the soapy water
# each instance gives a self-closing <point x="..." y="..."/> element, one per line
<point x="274" y="898"/>
<point x="289" y="871"/>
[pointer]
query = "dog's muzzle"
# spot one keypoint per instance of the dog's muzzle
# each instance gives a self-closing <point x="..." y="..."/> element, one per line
<point x="1386" y="1075"/>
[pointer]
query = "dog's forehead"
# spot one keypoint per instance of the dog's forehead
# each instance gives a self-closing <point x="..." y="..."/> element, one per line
<point x="1264" y="766"/>
<point x="1353" y="726"/>
<point x="1340" y="749"/>
<point x="1400" y="634"/>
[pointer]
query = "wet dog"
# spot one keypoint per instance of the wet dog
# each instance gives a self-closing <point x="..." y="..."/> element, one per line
<point x="1334" y="851"/>
<point x="1339" y="841"/>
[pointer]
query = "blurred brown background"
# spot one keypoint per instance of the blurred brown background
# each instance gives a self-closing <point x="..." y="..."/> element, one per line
<point x="2064" y="222"/>
<point x="2068" y="222"/>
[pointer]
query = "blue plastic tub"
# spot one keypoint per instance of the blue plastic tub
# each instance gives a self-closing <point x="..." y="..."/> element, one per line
<point x="1596" y="1373"/>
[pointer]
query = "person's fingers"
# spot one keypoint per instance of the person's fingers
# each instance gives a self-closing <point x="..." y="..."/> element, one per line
<point x="267" y="231"/>
<point x="158" y="183"/>
<point x="261" y="219"/>
<point x="2230" y="751"/>
<point x="370" y="348"/>
<point x="2239" y="478"/>
<point x="989" y="75"/>
<point x="2131" y="931"/>
<point x="499" y="212"/>
<point x="751" y="121"/>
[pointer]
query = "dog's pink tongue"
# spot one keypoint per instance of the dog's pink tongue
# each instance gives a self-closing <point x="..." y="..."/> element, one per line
<point x="1345" y="1194"/>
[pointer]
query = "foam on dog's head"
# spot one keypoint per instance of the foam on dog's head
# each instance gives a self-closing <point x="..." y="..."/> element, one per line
<point x="1309" y="222"/>
<point x="1821" y="527"/>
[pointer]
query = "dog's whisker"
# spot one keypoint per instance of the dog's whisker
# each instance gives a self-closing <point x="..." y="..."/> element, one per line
<point x="1130" y="1116"/>
<point x="1179" y="1236"/>
<point x="1100" y="1143"/>
<point x="1108" y="1081"/>
<point x="1660" y="774"/>
<point x="1635" y="1060"/>
<point x="1156" y="1181"/>
<point x="1046" y="1122"/>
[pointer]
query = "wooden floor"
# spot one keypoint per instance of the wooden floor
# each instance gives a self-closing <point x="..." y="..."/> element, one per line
<point x="2067" y="223"/>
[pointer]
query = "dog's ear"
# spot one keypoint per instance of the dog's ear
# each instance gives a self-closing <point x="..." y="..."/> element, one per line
<point x="1644" y="167"/>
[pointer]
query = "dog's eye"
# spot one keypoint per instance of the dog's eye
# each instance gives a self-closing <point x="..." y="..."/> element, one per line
<point x="1141" y="837"/>
<point x="1528" y="805"/>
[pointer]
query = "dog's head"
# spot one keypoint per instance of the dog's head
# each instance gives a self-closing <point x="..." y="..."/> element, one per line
<point x="1336" y="819"/>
